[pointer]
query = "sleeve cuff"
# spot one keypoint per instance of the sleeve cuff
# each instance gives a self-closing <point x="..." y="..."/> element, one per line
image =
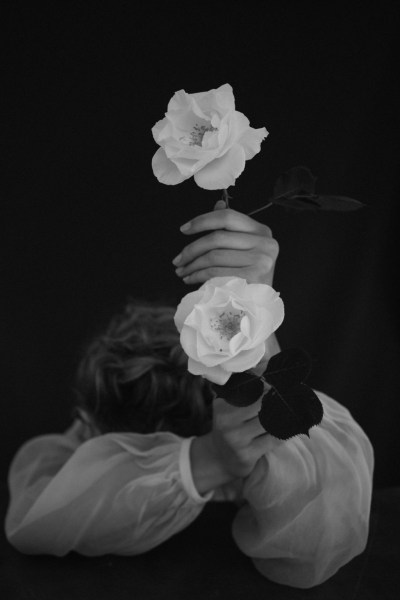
<point x="186" y="474"/>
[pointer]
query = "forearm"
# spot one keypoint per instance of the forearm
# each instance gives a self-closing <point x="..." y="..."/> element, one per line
<point x="118" y="493"/>
<point x="308" y="502"/>
<point x="208" y="471"/>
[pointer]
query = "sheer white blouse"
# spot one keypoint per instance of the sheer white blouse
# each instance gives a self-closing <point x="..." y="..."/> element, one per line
<point x="303" y="512"/>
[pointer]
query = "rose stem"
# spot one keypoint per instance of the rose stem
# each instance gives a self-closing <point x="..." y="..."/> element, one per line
<point x="253" y="212"/>
<point x="226" y="197"/>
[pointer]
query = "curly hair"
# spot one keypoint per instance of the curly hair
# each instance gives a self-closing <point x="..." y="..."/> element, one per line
<point x="134" y="377"/>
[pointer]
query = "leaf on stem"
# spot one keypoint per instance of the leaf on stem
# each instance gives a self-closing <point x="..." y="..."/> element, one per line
<point x="290" y="412"/>
<point x="295" y="189"/>
<point x="288" y="368"/>
<point x="290" y="407"/>
<point x="241" y="389"/>
<point x="297" y="180"/>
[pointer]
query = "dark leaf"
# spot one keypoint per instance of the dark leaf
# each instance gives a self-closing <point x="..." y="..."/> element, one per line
<point x="298" y="180"/>
<point x="298" y="201"/>
<point x="295" y="189"/>
<point x="292" y="412"/>
<point x="288" y="368"/>
<point x="241" y="389"/>
<point x="313" y="202"/>
<point x="339" y="203"/>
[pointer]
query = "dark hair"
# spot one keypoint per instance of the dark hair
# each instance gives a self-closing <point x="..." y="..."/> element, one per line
<point x="134" y="377"/>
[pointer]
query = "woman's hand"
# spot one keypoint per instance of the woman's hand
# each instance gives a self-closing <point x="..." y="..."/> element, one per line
<point x="237" y="246"/>
<point x="237" y="438"/>
<point x="233" y="447"/>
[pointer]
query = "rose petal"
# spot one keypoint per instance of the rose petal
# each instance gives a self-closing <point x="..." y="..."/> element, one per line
<point x="219" y="299"/>
<point x="215" y="119"/>
<point x="214" y="374"/>
<point x="225" y="141"/>
<point x="245" y="326"/>
<point x="204" y="349"/>
<point x="236" y="342"/>
<point x="267" y="321"/>
<point x="180" y="100"/>
<point x="207" y="345"/>
<point x="251" y="140"/>
<point x="208" y="292"/>
<point x="221" y="99"/>
<point x="189" y="341"/>
<point x="261" y="327"/>
<point x="210" y="141"/>
<point x="187" y="166"/>
<point x="260" y="293"/>
<point x="208" y="355"/>
<point x="161" y="130"/>
<point x="197" y="109"/>
<point x="165" y="170"/>
<point x="177" y="149"/>
<point x="246" y="359"/>
<point x="224" y="97"/>
<point x="217" y="282"/>
<point x="222" y="172"/>
<point x="238" y="285"/>
<point x="185" y="307"/>
<point x="242" y="124"/>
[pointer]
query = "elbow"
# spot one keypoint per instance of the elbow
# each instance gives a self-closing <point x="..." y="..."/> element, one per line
<point x="313" y="567"/>
<point x="291" y="572"/>
<point x="34" y="545"/>
<point x="33" y="540"/>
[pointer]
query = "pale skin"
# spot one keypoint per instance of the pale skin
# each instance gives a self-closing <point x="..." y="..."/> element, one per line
<point x="234" y="244"/>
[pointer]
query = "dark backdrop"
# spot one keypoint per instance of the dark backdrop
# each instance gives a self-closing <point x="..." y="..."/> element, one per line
<point x="87" y="224"/>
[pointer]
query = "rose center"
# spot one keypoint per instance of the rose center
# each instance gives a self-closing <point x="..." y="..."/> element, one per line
<point x="227" y="324"/>
<point x="197" y="134"/>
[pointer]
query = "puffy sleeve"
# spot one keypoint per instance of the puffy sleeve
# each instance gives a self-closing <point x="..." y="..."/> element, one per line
<point x="307" y="502"/>
<point x="119" y="493"/>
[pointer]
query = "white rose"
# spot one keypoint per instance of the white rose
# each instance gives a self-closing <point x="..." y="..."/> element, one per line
<point x="224" y="326"/>
<point x="202" y="135"/>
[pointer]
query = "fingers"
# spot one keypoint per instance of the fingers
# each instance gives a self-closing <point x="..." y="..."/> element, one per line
<point x="204" y="275"/>
<point x="238" y="246"/>
<point x="264" y="444"/>
<point x="217" y="239"/>
<point x="242" y="422"/>
<point x="252" y="429"/>
<point x="252" y="266"/>
<point x="216" y="253"/>
<point x="219" y="257"/>
<point x="220" y="205"/>
<point x="228" y="219"/>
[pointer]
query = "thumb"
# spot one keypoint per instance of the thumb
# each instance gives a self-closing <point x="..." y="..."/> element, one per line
<point x="220" y="205"/>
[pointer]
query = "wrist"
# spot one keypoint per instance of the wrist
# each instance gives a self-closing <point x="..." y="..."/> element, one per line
<point x="208" y="471"/>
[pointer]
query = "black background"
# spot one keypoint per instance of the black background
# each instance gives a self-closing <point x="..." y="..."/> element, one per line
<point x="87" y="225"/>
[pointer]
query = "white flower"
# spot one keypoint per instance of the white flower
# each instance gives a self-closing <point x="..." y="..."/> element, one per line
<point x="202" y="135"/>
<point x="224" y="326"/>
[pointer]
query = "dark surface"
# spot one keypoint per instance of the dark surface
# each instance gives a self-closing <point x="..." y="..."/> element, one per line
<point x="87" y="224"/>
<point x="203" y="562"/>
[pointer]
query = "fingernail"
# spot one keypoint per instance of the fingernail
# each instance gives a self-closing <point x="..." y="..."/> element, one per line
<point x="179" y="270"/>
<point x="185" y="227"/>
<point x="177" y="259"/>
<point x="186" y="279"/>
